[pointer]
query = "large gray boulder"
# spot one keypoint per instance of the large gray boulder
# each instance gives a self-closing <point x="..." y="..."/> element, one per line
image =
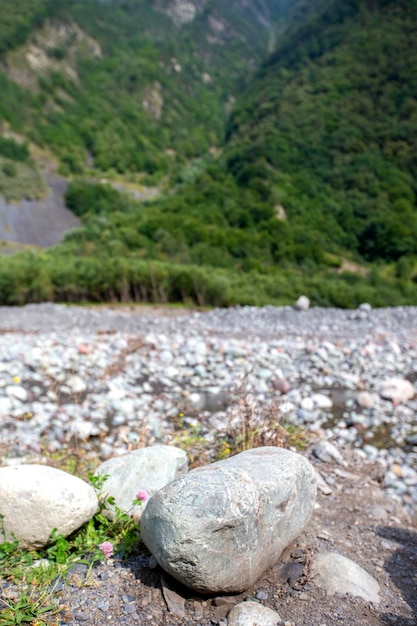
<point x="36" y="499"/>
<point x="219" y="527"/>
<point x="147" y="469"/>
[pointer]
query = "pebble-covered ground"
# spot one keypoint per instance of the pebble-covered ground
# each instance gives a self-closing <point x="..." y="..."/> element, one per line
<point x="104" y="381"/>
<point x="109" y="380"/>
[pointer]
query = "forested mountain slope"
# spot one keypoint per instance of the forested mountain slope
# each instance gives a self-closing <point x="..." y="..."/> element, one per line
<point x="320" y="155"/>
<point x="329" y="128"/>
<point x="307" y="182"/>
<point x="128" y="85"/>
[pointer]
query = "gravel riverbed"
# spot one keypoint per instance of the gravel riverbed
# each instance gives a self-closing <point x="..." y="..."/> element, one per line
<point x="103" y="381"/>
<point x="109" y="380"/>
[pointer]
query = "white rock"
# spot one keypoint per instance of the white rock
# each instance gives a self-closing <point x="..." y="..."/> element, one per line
<point x="302" y="304"/>
<point x="116" y="393"/>
<point x="172" y="372"/>
<point x="398" y="390"/>
<point x="196" y="398"/>
<point x="366" y="400"/>
<point x="336" y="574"/>
<point x="250" y="613"/>
<point x="147" y="469"/>
<point x="35" y="499"/>
<point x="219" y="527"/>
<point x="82" y="429"/>
<point x="76" y="384"/>
<point x="125" y="406"/>
<point x="322" y="401"/>
<point x="307" y="404"/>
<point x="15" y="391"/>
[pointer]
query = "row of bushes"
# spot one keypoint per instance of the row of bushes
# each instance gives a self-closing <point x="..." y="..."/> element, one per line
<point x="28" y="278"/>
<point x="35" y="278"/>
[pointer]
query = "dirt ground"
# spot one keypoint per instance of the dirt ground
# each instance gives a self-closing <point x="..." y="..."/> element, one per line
<point x="356" y="520"/>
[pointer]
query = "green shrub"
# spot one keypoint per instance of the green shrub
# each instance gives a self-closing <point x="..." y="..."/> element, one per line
<point x="9" y="169"/>
<point x="10" y="149"/>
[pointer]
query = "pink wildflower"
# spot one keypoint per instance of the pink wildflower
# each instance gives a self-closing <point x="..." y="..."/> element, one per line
<point x="142" y="495"/>
<point x="106" y="548"/>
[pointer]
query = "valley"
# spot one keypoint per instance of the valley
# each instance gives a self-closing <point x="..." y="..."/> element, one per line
<point x="220" y="155"/>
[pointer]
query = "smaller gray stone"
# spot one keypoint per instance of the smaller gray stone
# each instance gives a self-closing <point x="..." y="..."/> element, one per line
<point x="327" y="452"/>
<point x="337" y="574"/>
<point x="370" y="451"/>
<point x="128" y="597"/>
<point x="175" y="602"/>
<point x="250" y="613"/>
<point x="305" y="416"/>
<point x="322" y="485"/>
<point x="79" y="569"/>
<point x="412" y="439"/>
<point x="366" y="400"/>
<point x="147" y="469"/>
<point x="261" y="595"/>
<point x="80" y="616"/>
<point x="291" y="572"/>
<point x="378" y="512"/>
<point x="153" y="563"/>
